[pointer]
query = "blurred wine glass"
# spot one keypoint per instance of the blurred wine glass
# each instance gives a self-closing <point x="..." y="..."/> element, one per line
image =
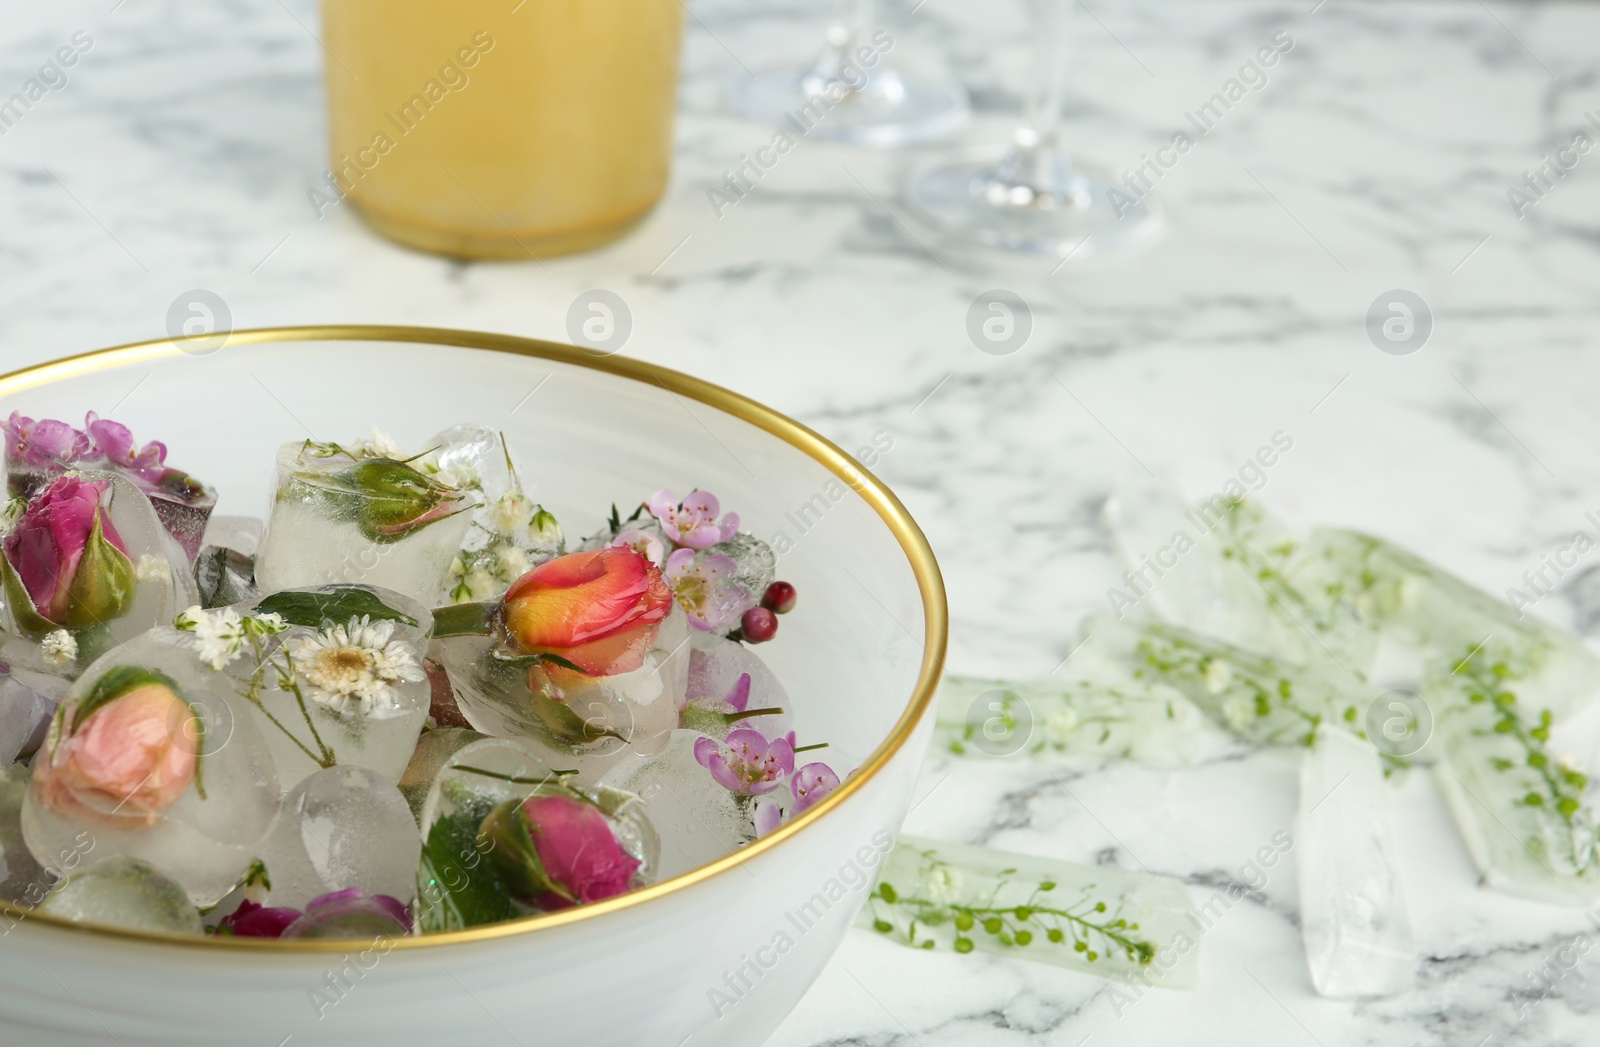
<point x="854" y="92"/>
<point x="1035" y="197"/>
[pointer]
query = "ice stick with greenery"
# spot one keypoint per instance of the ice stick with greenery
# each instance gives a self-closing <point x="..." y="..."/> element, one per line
<point x="1520" y="811"/>
<point x="944" y="896"/>
<point x="1079" y="721"/>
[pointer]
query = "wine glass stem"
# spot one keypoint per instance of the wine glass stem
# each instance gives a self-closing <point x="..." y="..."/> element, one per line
<point x="1047" y="93"/>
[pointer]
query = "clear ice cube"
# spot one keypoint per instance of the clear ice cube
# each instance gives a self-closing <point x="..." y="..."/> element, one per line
<point x="1353" y="916"/>
<point x="25" y="711"/>
<point x="696" y="820"/>
<point x="342" y="827"/>
<point x="23" y="880"/>
<point x="124" y="892"/>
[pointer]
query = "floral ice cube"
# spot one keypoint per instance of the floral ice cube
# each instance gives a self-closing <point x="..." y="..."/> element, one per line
<point x="594" y="841"/>
<point x="729" y="684"/>
<point x="331" y="675"/>
<point x="341" y="828"/>
<point x="147" y="756"/>
<point x="128" y="893"/>
<point x="38" y="452"/>
<point x="359" y="515"/>
<point x="511" y="534"/>
<point x="87" y="565"/>
<point x="946" y="896"/>
<point x="588" y="652"/>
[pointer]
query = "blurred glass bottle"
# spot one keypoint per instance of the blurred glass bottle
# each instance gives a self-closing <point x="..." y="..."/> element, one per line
<point x="499" y="129"/>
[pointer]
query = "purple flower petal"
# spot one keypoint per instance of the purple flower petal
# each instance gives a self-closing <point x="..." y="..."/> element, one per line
<point x="810" y="784"/>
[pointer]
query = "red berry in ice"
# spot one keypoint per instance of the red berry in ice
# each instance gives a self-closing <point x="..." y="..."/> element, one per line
<point x="779" y="598"/>
<point x="758" y="625"/>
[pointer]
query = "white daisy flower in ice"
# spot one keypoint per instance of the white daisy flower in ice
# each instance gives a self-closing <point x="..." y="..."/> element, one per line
<point x="60" y="649"/>
<point x="355" y="666"/>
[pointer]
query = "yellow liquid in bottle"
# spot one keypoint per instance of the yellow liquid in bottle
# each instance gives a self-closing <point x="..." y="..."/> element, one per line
<point x="465" y="128"/>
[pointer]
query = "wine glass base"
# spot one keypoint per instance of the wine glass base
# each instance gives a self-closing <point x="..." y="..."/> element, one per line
<point x="1088" y="216"/>
<point x="888" y="110"/>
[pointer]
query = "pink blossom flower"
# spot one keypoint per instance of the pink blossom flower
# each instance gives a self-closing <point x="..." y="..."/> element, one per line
<point x="747" y="763"/>
<point x="704" y="586"/>
<point x="115" y="441"/>
<point x="644" y="543"/>
<point x="809" y="785"/>
<point x="69" y="558"/>
<point x="44" y="442"/>
<point x="692" y="523"/>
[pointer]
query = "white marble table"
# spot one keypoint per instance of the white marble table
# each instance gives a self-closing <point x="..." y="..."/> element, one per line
<point x="1377" y="157"/>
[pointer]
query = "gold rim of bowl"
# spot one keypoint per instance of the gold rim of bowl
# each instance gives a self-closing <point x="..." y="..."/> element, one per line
<point x="883" y="501"/>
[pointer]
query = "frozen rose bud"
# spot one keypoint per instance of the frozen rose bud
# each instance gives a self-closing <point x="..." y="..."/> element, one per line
<point x="556" y="850"/>
<point x="251" y="920"/>
<point x="779" y="598"/>
<point x="758" y="625"/>
<point x="352" y="913"/>
<point x="68" y="558"/>
<point x="747" y="762"/>
<point x="692" y="523"/>
<point x="389" y="499"/>
<point x="599" y="610"/>
<point x="123" y="753"/>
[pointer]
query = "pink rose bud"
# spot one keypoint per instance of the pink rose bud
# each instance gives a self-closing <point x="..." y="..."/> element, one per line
<point x="123" y="753"/>
<point x="557" y="850"/>
<point x="67" y="559"/>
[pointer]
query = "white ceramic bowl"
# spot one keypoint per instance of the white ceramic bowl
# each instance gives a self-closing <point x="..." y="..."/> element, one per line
<point x="716" y="956"/>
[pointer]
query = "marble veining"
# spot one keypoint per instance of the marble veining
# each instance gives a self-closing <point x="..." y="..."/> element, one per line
<point x="1377" y="156"/>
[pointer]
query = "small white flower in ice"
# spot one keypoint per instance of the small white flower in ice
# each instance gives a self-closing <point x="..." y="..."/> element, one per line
<point x="1218" y="674"/>
<point x="151" y="568"/>
<point x="513" y="563"/>
<point x="381" y="445"/>
<point x="1059" y="725"/>
<point x="511" y="512"/>
<point x="60" y="649"/>
<point x="355" y="665"/>
<point x="1238" y="712"/>
<point x="218" y="634"/>
<point x="943" y="883"/>
<point x="269" y="624"/>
